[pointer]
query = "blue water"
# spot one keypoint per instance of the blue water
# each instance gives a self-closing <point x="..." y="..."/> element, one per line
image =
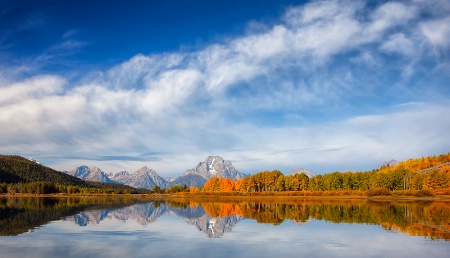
<point x="143" y="230"/>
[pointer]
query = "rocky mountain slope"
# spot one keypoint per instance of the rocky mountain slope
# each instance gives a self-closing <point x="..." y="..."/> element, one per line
<point x="142" y="178"/>
<point x="390" y="163"/>
<point x="189" y="180"/>
<point x="302" y="171"/>
<point x="213" y="166"/>
<point x="95" y="174"/>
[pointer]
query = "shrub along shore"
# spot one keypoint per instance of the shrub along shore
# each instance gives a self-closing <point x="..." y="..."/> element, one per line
<point x="380" y="193"/>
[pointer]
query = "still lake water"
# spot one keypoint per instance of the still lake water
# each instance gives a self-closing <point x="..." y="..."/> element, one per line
<point x="106" y="227"/>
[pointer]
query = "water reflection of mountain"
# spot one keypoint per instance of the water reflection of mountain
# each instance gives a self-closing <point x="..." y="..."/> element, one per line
<point x="150" y="212"/>
<point x="214" y="227"/>
<point x="141" y="213"/>
<point x="23" y="214"/>
<point x="420" y="218"/>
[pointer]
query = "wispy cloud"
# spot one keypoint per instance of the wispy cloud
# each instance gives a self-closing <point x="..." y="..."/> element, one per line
<point x="322" y="60"/>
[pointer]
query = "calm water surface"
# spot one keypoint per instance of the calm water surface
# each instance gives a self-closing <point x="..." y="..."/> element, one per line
<point x="82" y="227"/>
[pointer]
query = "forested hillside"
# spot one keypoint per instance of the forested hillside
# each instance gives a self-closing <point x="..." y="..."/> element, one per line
<point x="16" y="169"/>
<point x="20" y="175"/>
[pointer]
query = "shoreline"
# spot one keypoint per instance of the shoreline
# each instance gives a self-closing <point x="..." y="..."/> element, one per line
<point x="216" y="196"/>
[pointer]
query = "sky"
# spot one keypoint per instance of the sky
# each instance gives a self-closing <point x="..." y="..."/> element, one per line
<point x="322" y="85"/>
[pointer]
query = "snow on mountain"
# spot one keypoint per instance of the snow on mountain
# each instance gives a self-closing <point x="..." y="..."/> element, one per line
<point x="119" y="176"/>
<point x="142" y="178"/>
<point x="33" y="160"/>
<point x="215" y="166"/>
<point x="170" y="179"/>
<point x="95" y="174"/>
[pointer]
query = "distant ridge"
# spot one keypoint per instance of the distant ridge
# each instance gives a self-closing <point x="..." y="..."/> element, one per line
<point x="213" y="166"/>
<point x="142" y="178"/>
<point x="95" y="174"/>
<point x="190" y="180"/>
<point x="302" y="171"/>
<point x="390" y="163"/>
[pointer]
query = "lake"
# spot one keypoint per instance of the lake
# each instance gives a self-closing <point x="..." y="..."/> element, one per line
<point x="126" y="227"/>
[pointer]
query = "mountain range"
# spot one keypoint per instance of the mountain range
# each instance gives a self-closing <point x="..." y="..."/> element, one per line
<point x="14" y="169"/>
<point x="213" y="166"/>
<point x="95" y="174"/>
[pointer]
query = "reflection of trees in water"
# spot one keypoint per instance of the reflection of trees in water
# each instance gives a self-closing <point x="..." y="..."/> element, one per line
<point x="20" y="214"/>
<point x="420" y="218"/>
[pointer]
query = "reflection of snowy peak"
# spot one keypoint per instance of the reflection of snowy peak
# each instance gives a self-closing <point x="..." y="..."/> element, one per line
<point x="215" y="166"/>
<point x="89" y="217"/>
<point x="148" y="213"/>
<point x="141" y="213"/>
<point x="215" y="227"/>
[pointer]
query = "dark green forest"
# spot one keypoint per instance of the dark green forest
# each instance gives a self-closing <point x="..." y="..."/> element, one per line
<point x="20" y="175"/>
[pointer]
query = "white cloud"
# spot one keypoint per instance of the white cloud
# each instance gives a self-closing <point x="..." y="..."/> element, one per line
<point x="185" y="105"/>
<point x="390" y="15"/>
<point x="33" y="88"/>
<point x="399" y="43"/>
<point x="437" y="32"/>
<point x="354" y="143"/>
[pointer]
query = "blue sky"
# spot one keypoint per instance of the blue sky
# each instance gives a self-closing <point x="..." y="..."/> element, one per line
<point x="323" y="85"/>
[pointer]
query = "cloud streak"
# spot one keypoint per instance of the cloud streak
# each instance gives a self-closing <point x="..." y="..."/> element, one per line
<point x="329" y="62"/>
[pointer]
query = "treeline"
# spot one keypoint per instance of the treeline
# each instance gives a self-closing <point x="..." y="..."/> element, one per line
<point x="52" y="188"/>
<point x="170" y="190"/>
<point x="406" y="175"/>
